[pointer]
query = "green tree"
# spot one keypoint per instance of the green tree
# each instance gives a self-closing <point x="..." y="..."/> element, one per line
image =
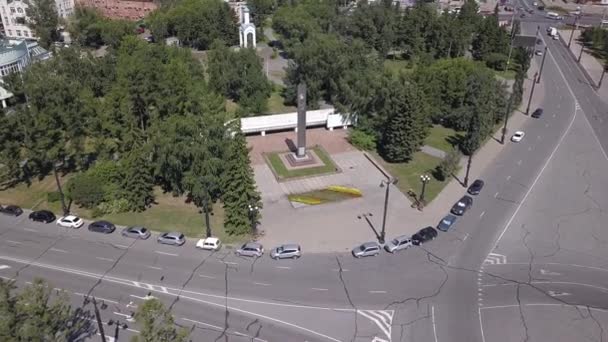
<point x="86" y="190"/>
<point x="138" y="181"/>
<point x="471" y="142"/>
<point x="449" y="164"/>
<point x="407" y="123"/>
<point x="239" y="187"/>
<point x="260" y="10"/>
<point x="35" y="314"/>
<point x="42" y="18"/>
<point x="157" y="324"/>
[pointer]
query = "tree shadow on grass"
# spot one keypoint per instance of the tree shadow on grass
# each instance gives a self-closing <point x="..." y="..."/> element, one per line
<point x="455" y="140"/>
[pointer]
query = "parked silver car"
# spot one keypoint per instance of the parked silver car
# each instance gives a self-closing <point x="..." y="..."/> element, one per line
<point x="172" y="238"/>
<point x="398" y="243"/>
<point x="136" y="232"/>
<point x="366" y="249"/>
<point x="251" y="249"/>
<point x="286" y="251"/>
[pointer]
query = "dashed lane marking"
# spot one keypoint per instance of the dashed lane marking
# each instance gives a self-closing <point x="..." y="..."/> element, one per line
<point x="31" y="230"/>
<point x="121" y="246"/>
<point x="283" y="267"/>
<point x="155" y="267"/>
<point x="230" y="263"/>
<point x="433" y="319"/>
<point x="262" y="284"/>
<point x="319" y="289"/>
<point x="206" y="276"/>
<point x="508" y="177"/>
<point x="105" y="259"/>
<point x="165" y="253"/>
<point x="377" y="291"/>
<point x="481" y="215"/>
<point x="58" y="250"/>
<point x="13" y="242"/>
<point x="222" y="329"/>
<point x="3" y="267"/>
<point x="496" y="194"/>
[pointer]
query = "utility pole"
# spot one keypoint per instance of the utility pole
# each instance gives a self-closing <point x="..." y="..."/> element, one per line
<point x="572" y="32"/>
<point x="580" y="55"/>
<point x="542" y="64"/>
<point x="531" y="93"/>
<point x="510" y="45"/>
<point x="386" y="183"/>
<point x="99" y="323"/>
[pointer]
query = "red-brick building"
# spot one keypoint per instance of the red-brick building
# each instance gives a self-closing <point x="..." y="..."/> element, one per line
<point x="121" y="9"/>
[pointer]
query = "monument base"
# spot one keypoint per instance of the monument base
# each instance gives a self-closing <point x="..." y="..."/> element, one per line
<point x="309" y="159"/>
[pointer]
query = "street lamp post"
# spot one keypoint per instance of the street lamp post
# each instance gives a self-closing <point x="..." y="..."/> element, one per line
<point x="580" y="55"/>
<point x="599" y="85"/>
<point x="572" y="32"/>
<point x="253" y="213"/>
<point x="385" y="183"/>
<point x="531" y="93"/>
<point x="424" y="179"/>
<point x="542" y="64"/>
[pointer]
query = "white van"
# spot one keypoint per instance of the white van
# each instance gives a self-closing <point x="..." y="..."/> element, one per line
<point x="554" y="16"/>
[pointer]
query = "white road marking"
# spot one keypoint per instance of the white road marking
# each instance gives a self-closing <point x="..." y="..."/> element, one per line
<point x="206" y="276"/>
<point x="338" y="270"/>
<point x="28" y="282"/>
<point x="14" y="242"/>
<point x="466" y="236"/>
<point x="481" y="215"/>
<point x="155" y="267"/>
<point x="30" y="230"/>
<point x="128" y="317"/>
<point x="319" y="289"/>
<point x="283" y="267"/>
<point x="542" y="304"/>
<point x="121" y="246"/>
<point x="58" y="250"/>
<point x="557" y="293"/>
<point x="262" y="284"/>
<point x="496" y="195"/>
<point x="377" y="291"/>
<point x="221" y="329"/>
<point x="382" y="318"/>
<point x="6" y="278"/>
<point x="165" y="253"/>
<point x="138" y="297"/>
<point x="558" y="282"/>
<point x="3" y="267"/>
<point x="508" y="177"/>
<point x="483" y="338"/>
<point x="433" y="319"/>
<point x="105" y="259"/>
<point x="230" y="263"/>
<point x="495" y="259"/>
<point x="545" y="272"/>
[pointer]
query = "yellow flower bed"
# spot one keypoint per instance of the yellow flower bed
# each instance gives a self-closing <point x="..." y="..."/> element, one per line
<point x="346" y="190"/>
<point x="305" y="200"/>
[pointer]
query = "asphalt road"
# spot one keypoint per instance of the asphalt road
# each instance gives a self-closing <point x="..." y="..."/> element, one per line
<point x="451" y="289"/>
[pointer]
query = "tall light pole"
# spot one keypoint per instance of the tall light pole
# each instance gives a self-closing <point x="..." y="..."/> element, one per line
<point x="511" y="45"/>
<point x="253" y="215"/>
<point x="580" y="55"/>
<point x="542" y="64"/>
<point x="531" y="93"/>
<point x="385" y="183"/>
<point x="424" y="179"/>
<point x="573" y="27"/>
<point x="99" y="323"/>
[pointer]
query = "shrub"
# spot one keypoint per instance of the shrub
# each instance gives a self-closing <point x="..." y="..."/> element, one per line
<point x="114" y="207"/>
<point x="496" y="61"/>
<point x="85" y="190"/>
<point x="53" y="196"/>
<point x="362" y="140"/>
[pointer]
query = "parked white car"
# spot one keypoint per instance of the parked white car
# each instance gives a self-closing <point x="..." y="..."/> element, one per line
<point x="518" y="136"/>
<point x="210" y="244"/>
<point x="70" y="221"/>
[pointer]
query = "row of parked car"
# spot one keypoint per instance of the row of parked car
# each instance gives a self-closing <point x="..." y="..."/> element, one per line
<point x="425" y="234"/>
<point x="250" y="249"/>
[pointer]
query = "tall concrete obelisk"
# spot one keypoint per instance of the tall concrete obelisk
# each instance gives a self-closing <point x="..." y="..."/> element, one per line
<point x="301" y="144"/>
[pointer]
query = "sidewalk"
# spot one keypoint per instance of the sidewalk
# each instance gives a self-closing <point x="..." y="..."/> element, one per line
<point x="591" y="66"/>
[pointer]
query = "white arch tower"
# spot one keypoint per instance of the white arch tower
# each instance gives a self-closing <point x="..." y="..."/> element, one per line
<point x="247" y="28"/>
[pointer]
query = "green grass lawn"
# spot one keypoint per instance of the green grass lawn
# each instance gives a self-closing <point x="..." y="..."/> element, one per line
<point x="275" y="103"/>
<point x="443" y="138"/>
<point x="169" y="214"/>
<point x="276" y="164"/>
<point x="409" y="174"/>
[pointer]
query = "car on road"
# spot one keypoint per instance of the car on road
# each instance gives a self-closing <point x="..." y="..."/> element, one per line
<point x="462" y="205"/>
<point x="446" y="222"/>
<point x="287" y="251"/>
<point x="42" y="216"/>
<point x="366" y="249"/>
<point x="518" y="136"/>
<point x="424" y="235"/>
<point x="102" y="227"/>
<point x="210" y="244"/>
<point x="70" y="221"/>
<point x="250" y="249"/>
<point x="136" y="232"/>
<point x="476" y="187"/>
<point x="537" y="113"/>
<point x="11" y="210"/>
<point x="398" y="243"/>
<point x="172" y="238"/>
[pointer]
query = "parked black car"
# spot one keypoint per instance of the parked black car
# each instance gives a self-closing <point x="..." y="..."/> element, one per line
<point x="462" y="205"/>
<point x="424" y="235"/>
<point x="476" y="187"/>
<point x="537" y="113"/>
<point x="42" y="216"/>
<point x="102" y="227"/>
<point x="11" y="210"/>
